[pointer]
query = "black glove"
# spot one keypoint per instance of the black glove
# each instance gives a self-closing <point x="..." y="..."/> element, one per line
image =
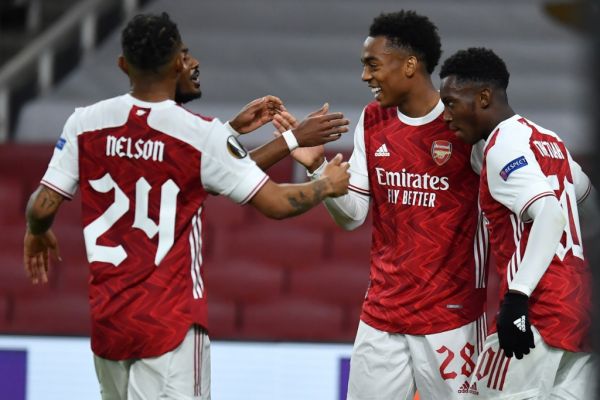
<point x="514" y="328"/>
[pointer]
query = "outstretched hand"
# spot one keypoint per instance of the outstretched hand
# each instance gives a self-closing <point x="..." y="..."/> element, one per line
<point x="256" y="113"/>
<point x="336" y="172"/>
<point x="318" y="128"/>
<point x="36" y="255"/>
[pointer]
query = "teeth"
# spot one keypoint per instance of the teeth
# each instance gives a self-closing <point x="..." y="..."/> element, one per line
<point x="375" y="91"/>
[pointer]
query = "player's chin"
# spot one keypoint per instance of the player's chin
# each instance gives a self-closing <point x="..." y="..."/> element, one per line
<point x="383" y="102"/>
<point x="461" y="136"/>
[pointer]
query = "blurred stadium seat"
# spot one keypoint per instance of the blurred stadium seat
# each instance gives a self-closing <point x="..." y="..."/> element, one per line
<point x="223" y="319"/>
<point x="292" y="318"/>
<point x="50" y="313"/>
<point x="243" y="279"/>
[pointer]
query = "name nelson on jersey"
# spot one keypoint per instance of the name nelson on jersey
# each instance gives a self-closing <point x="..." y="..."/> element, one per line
<point x="407" y="180"/>
<point x="126" y="147"/>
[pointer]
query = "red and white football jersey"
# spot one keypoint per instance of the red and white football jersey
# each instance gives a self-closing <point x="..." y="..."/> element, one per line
<point x="144" y="170"/>
<point x="522" y="163"/>
<point x="429" y="248"/>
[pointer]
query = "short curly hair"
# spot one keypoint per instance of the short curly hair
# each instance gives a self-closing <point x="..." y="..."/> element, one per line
<point x="149" y="41"/>
<point x="411" y="31"/>
<point x="476" y="64"/>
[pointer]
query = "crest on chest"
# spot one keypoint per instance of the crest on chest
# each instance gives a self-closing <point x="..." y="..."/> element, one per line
<point x="441" y="151"/>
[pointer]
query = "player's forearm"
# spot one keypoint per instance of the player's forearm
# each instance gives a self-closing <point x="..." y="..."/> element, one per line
<point x="280" y="201"/>
<point x="270" y="153"/>
<point x="546" y="231"/>
<point x="349" y="211"/>
<point x="41" y="209"/>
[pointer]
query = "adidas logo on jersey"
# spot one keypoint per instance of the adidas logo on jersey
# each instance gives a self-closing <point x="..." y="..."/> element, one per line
<point x="473" y="389"/>
<point x="382" y="151"/>
<point x="520" y="323"/>
<point x="464" y="388"/>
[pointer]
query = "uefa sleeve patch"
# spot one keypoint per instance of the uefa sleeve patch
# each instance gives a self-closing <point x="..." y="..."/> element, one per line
<point x="235" y="148"/>
<point x="61" y="143"/>
<point x="512" y="166"/>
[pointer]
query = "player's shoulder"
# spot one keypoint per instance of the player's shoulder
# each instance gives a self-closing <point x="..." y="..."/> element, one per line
<point x="181" y="115"/>
<point x="102" y="114"/>
<point x="509" y="133"/>
<point x="196" y="115"/>
<point x="101" y="106"/>
<point x="374" y="113"/>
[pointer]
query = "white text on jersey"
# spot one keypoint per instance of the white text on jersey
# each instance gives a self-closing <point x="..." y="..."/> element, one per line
<point x="126" y="147"/>
<point x="410" y="180"/>
<point x="549" y="149"/>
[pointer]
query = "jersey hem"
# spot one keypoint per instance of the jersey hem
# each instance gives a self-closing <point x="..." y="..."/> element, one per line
<point x="386" y="327"/>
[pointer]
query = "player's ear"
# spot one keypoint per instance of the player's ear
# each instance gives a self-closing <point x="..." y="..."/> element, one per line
<point x="484" y="97"/>
<point x="179" y="64"/>
<point x="411" y="66"/>
<point x="122" y="63"/>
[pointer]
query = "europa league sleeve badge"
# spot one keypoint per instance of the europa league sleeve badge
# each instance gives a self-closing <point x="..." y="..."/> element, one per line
<point x="235" y="148"/>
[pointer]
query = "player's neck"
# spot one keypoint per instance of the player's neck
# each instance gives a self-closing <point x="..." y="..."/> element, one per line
<point x="421" y="100"/>
<point x="502" y="114"/>
<point x="153" y="91"/>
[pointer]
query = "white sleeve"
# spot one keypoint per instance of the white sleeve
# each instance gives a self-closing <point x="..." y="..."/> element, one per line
<point x="359" y="175"/>
<point x="581" y="182"/>
<point x="226" y="168"/>
<point x="477" y="156"/>
<point x="62" y="174"/>
<point x="514" y="176"/>
<point x="349" y="211"/>
<point x="546" y="231"/>
<point x="587" y="201"/>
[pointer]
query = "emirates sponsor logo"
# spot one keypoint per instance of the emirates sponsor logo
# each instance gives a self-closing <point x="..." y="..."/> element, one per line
<point x="406" y="179"/>
<point x="441" y="150"/>
<point x="382" y="151"/>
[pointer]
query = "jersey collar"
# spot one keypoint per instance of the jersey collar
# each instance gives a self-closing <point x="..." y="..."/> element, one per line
<point x="145" y="104"/>
<point x="429" y="117"/>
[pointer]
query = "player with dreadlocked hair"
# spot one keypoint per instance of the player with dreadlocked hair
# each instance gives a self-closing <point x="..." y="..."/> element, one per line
<point x="531" y="192"/>
<point x="423" y="315"/>
<point x="144" y="166"/>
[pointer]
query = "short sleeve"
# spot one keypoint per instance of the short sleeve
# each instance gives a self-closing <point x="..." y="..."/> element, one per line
<point x="62" y="174"/>
<point x="515" y="178"/>
<point x="581" y="182"/>
<point x="227" y="169"/>
<point x="359" y="176"/>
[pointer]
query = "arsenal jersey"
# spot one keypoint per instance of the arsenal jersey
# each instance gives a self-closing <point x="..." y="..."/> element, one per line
<point x="524" y="162"/>
<point x="429" y="248"/>
<point x="144" y="170"/>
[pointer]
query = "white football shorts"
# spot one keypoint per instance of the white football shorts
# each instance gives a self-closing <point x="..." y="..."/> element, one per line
<point x="181" y="374"/>
<point x="545" y="373"/>
<point x="390" y="366"/>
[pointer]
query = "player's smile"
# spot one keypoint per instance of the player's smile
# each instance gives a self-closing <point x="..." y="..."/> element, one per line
<point x="195" y="77"/>
<point x="376" y="92"/>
